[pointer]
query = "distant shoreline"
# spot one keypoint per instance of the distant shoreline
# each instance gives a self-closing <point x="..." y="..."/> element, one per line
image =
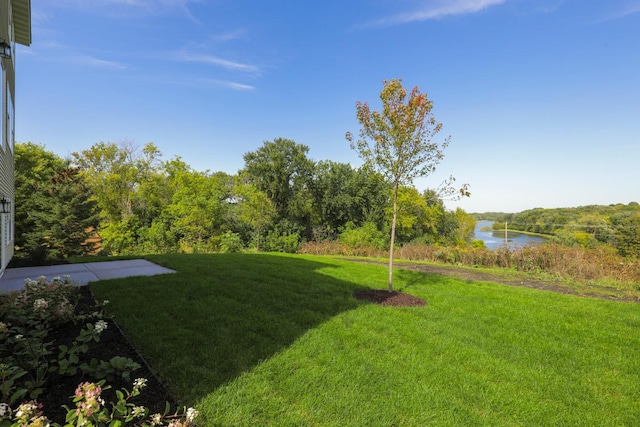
<point x="513" y="230"/>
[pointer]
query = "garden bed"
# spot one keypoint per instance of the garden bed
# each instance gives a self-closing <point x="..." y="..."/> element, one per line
<point x="58" y="390"/>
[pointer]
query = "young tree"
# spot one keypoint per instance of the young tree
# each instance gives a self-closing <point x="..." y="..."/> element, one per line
<point x="397" y="142"/>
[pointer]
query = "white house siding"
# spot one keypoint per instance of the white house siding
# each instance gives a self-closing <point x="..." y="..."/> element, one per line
<point x="7" y="221"/>
<point x="15" y="26"/>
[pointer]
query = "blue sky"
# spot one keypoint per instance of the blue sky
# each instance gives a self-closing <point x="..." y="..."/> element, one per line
<point x="541" y="98"/>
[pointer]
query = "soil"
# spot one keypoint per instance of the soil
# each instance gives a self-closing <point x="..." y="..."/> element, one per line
<point x="386" y="298"/>
<point x="400" y="299"/>
<point x="59" y="389"/>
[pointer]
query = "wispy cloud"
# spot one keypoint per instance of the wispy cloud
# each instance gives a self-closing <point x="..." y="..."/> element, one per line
<point x="229" y="36"/>
<point x="132" y="3"/>
<point x="53" y="51"/>
<point x="434" y="9"/>
<point x="613" y="12"/>
<point x="546" y="6"/>
<point x="43" y="8"/>
<point x="97" y="62"/>
<point x="227" y="84"/>
<point x="205" y="58"/>
<point x="630" y="9"/>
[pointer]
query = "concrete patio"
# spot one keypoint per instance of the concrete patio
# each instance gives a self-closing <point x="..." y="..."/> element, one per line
<point x="14" y="278"/>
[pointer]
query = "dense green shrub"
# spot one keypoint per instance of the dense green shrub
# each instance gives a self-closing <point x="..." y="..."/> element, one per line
<point x="230" y="242"/>
<point x="287" y="242"/>
<point x="364" y="236"/>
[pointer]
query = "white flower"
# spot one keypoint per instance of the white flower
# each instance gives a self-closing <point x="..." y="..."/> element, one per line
<point x="40" y="304"/>
<point x="191" y="414"/>
<point x="19" y="337"/>
<point x="64" y="308"/>
<point x="101" y="325"/>
<point x="26" y="409"/>
<point x="156" y="419"/>
<point x="138" y="411"/>
<point x="4" y="409"/>
<point x="139" y="383"/>
<point x="38" y="422"/>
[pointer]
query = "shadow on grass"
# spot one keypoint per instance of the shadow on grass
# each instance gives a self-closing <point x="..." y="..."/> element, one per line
<point x="407" y="279"/>
<point x="222" y="314"/>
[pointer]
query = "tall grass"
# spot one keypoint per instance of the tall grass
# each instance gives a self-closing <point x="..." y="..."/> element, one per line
<point x="586" y="265"/>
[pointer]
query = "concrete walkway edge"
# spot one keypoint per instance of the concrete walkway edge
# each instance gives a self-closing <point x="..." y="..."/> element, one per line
<point x="14" y="278"/>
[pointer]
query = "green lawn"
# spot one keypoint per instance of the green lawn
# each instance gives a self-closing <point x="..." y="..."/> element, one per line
<point x="263" y="339"/>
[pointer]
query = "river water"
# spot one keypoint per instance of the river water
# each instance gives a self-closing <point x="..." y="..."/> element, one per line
<point x="494" y="239"/>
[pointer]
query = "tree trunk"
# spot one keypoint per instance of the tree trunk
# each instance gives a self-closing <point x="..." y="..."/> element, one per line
<point x="258" y="240"/>
<point x="393" y="235"/>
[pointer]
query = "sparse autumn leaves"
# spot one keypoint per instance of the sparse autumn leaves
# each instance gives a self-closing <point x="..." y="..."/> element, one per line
<point x="397" y="142"/>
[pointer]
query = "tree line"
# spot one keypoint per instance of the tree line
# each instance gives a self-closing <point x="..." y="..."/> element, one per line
<point x="138" y="203"/>
<point x="617" y="225"/>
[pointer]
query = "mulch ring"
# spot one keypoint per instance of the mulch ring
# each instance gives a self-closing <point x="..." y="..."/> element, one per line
<point x="386" y="298"/>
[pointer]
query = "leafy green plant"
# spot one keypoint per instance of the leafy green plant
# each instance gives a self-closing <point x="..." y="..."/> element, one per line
<point x="367" y="235"/>
<point x="27" y="356"/>
<point x="69" y="357"/>
<point x="288" y="243"/>
<point x="100" y="369"/>
<point x="9" y="374"/>
<point x="91" y="410"/>
<point x="230" y="242"/>
<point x="26" y="317"/>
